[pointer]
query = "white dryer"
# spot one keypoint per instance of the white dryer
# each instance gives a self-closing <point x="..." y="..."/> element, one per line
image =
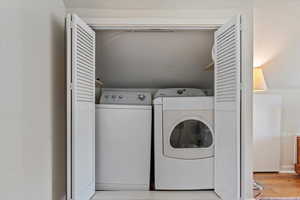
<point x="123" y="140"/>
<point x="184" y="140"/>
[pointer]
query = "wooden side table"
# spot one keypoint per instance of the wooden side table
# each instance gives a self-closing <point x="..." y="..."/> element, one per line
<point x="297" y="165"/>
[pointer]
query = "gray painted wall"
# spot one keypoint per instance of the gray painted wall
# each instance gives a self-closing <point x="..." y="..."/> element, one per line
<point x="32" y="108"/>
<point x="128" y="59"/>
<point x="279" y="57"/>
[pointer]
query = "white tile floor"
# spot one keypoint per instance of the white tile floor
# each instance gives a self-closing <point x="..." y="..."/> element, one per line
<point x="156" y="195"/>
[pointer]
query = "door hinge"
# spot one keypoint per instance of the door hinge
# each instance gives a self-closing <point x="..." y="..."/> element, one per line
<point x="241" y="27"/>
<point x="241" y="86"/>
<point x="71" y="86"/>
<point x="71" y="24"/>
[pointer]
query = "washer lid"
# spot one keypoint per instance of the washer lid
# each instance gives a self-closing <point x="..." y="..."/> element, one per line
<point x="125" y="97"/>
<point x="179" y="92"/>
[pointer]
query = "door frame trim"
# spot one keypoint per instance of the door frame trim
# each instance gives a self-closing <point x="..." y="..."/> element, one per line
<point x="197" y="21"/>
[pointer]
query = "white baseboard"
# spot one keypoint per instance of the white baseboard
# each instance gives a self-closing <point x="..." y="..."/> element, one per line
<point x="288" y="151"/>
<point x="287" y="169"/>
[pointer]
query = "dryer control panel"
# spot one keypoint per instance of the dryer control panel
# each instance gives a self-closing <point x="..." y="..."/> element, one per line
<point x="180" y="92"/>
<point x="126" y="97"/>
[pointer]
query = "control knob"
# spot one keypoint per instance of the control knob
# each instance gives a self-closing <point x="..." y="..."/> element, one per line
<point x="141" y="97"/>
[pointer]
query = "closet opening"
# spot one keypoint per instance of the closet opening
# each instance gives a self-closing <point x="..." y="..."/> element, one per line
<point x="147" y="61"/>
<point x="162" y="98"/>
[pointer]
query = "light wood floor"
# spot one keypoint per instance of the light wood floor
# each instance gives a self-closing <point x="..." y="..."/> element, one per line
<point x="278" y="184"/>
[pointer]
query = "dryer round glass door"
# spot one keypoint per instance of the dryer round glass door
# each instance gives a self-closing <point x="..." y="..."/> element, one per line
<point x="191" y="134"/>
<point x="187" y="136"/>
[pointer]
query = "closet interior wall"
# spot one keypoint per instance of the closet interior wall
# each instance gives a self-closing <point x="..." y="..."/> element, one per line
<point x="155" y="58"/>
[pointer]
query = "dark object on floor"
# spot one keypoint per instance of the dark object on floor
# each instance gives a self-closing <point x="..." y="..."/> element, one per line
<point x="257" y="186"/>
<point x="257" y="189"/>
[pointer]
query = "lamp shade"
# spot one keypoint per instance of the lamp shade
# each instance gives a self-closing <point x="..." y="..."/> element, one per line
<point x="259" y="83"/>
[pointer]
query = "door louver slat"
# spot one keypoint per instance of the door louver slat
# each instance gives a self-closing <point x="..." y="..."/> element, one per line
<point x="226" y="61"/>
<point x="229" y="31"/>
<point x="84" y="64"/>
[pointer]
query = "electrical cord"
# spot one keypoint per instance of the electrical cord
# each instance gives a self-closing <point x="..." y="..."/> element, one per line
<point x="257" y="187"/>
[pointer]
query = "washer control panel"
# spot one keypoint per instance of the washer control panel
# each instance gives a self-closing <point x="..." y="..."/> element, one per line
<point x="126" y="98"/>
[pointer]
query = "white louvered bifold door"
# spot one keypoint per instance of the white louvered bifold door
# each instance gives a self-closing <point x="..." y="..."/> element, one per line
<point x="227" y="110"/>
<point x="81" y="109"/>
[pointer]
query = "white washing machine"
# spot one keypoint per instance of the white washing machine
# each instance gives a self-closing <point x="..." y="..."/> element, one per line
<point x="184" y="140"/>
<point x="123" y="140"/>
